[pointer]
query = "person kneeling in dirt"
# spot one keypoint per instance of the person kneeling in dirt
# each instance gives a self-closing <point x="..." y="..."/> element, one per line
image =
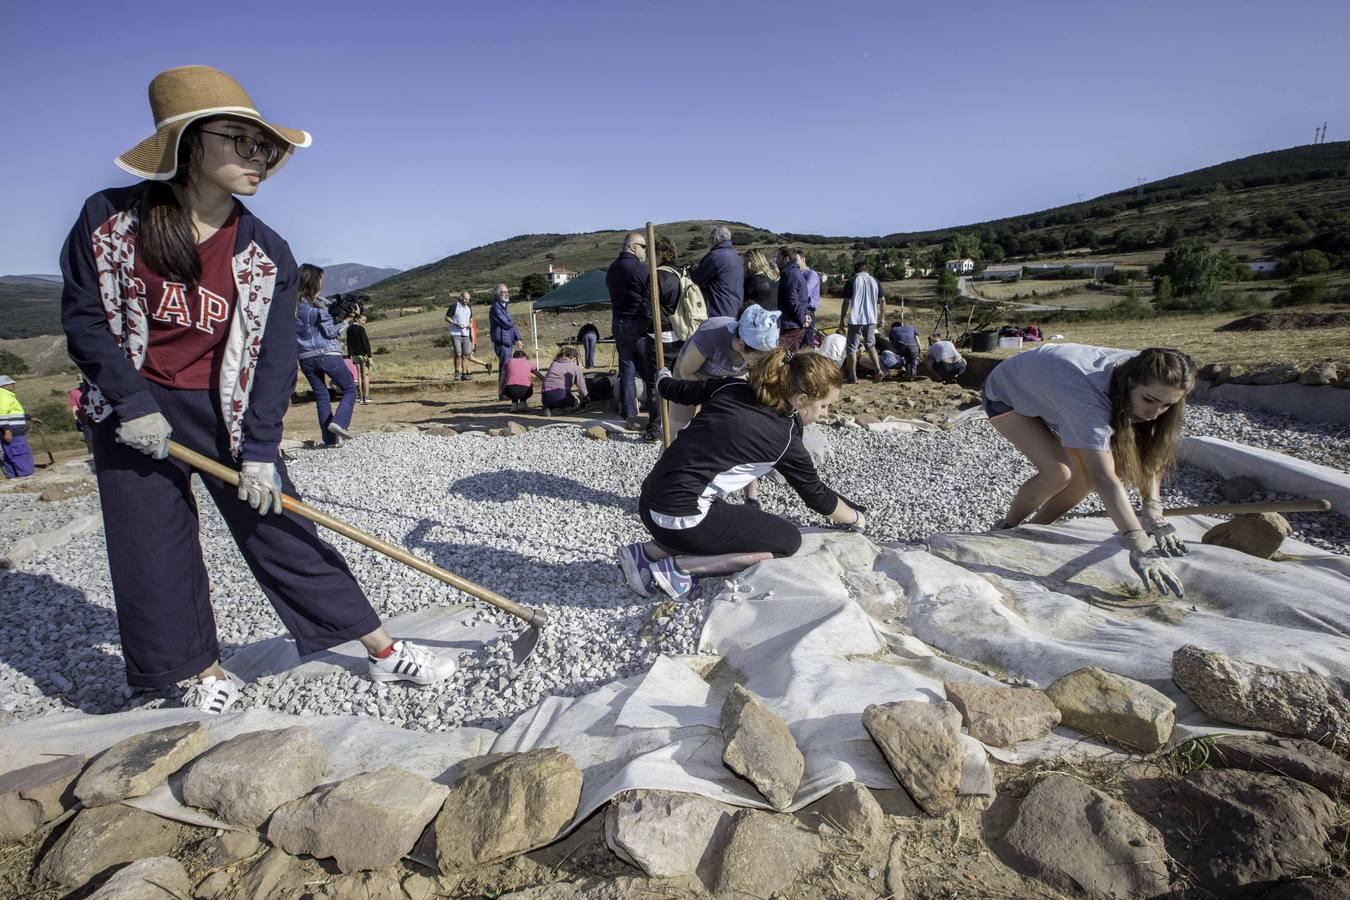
<point x="1096" y="418"/>
<point x="563" y="374"/>
<point x="519" y="377"/>
<point x="945" y="363"/>
<point x="744" y="429"/>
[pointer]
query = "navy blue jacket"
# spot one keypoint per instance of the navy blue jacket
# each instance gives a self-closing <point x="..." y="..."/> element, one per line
<point x="501" y="327"/>
<point x="904" y="334"/>
<point x="721" y="277"/>
<point x="627" y="279"/>
<point x="261" y="376"/>
<point x="794" y="301"/>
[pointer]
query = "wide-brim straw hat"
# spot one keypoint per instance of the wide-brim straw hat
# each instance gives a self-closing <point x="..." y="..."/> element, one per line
<point x="181" y="96"/>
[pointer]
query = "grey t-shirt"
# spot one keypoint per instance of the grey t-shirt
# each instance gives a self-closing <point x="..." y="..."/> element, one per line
<point x="1067" y="385"/>
<point x="713" y="340"/>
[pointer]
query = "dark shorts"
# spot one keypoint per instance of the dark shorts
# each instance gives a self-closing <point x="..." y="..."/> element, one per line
<point x="995" y="408"/>
<point x="727" y="528"/>
<point x="519" y="391"/>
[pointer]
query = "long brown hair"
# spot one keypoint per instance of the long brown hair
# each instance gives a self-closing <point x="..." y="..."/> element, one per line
<point x="1145" y="449"/>
<point x="775" y="380"/>
<point x="311" y="281"/>
<point x="165" y="238"/>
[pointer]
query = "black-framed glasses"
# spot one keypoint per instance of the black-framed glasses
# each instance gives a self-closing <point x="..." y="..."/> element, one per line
<point x="247" y="147"/>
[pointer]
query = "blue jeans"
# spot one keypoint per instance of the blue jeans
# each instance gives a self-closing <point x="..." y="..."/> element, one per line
<point x="314" y="368"/>
<point x="627" y="335"/>
<point x="589" y="341"/>
<point x="910" y="354"/>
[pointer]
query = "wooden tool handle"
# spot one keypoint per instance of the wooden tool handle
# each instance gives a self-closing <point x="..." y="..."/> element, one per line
<point x="655" y="285"/>
<point x="230" y="476"/>
<point x="1233" y="509"/>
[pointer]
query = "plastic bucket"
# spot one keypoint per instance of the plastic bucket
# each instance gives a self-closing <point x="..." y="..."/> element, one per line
<point x="983" y="341"/>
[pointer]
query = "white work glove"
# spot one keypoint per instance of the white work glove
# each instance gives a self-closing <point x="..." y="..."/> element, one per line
<point x="1148" y="564"/>
<point x="260" y="486"/>
<point x="663" y="372"/>
<point x="148" y="434"/>
<point x="1165" y="537"/>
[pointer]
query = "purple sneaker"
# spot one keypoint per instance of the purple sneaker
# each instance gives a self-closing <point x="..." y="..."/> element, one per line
<point x="669" y="578"/>
<point x="636" y="567"/>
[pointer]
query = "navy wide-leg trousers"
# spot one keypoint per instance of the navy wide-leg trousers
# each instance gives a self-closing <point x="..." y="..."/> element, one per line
<point x="159" y="579"/>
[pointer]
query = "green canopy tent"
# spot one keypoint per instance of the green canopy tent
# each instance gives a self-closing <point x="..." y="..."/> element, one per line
<point x="584" y="292"/>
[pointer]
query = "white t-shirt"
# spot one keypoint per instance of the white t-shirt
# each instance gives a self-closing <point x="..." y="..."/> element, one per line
<point x="460" y="318"/>
<point x="1066" y="385"/>
<point x="862" y="308"/>
<point x="943" y="351"/>
<point x="833" y="347"/>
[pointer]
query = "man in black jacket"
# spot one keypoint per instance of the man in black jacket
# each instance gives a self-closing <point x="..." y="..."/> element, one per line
<point x="721" y="275"/>
<point x="793" y="300"/>
<point x="627" y="281"/>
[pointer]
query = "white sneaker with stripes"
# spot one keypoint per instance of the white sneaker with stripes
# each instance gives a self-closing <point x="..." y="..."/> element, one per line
<point x="409" y="662"/>
<point x="211" y="695"/>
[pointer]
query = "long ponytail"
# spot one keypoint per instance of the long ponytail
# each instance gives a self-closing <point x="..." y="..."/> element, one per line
<point x="1143" y="450"/>
<point x="166" y="241"/>
<point x="775" y="378"/>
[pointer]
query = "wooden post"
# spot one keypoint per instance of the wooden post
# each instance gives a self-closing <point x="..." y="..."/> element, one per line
<point x="656" y="329"/>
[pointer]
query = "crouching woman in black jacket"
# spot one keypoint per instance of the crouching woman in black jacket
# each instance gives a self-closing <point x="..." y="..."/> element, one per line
<point x="744" y="429"/>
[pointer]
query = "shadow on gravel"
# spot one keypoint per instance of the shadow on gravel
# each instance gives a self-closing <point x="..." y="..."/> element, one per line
<point x="506" y="485"/>
<point x="49" y="631"/>
<point x="572" y="583"/>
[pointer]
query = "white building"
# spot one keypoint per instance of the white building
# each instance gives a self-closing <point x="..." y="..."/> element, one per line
<point x="1005" y="272"/>
<point x="557" y="275"/>
<point x="962" y="266"/>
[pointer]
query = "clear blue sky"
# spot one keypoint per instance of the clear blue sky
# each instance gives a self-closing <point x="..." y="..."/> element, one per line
<point x="439" y="126"/>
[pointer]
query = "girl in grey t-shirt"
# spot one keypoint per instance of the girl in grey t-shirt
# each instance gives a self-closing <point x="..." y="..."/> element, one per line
<point x="1093" y="418"/>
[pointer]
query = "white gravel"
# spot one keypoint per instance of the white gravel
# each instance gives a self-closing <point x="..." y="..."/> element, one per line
<point x="536" y="518"/>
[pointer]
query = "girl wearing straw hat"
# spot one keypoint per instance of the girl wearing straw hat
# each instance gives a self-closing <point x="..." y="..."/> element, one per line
<point x="179" y="308"/>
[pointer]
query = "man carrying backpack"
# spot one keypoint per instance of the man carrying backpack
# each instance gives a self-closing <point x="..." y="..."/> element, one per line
<point x="682" y="311"/>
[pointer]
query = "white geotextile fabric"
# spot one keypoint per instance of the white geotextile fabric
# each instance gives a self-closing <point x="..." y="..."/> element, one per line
<point x="1276" y="471"/>
<point x="843" y="624"/>
<point x="442" y="629"/>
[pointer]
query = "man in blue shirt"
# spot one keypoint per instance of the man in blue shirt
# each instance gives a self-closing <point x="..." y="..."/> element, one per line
<point x="627" y="281"/>
<point x="905" y="342"/>
<point x="721" y="275"/>
<point x="812" y="279"/>
<point x="505" y="338"/>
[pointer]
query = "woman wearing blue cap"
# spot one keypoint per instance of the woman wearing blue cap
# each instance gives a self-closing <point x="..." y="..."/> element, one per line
<point x="723" y="347"/>
<point x="744" y="429"/>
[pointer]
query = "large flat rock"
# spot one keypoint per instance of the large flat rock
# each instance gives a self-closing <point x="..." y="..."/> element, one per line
<point x="137" y="765"/>
<point x="244" y="779"/>
<point x="368" y="821"/>
<point x="504" y="805"/>
<point x="1083" y="843"/>
<point x="664" y="833"/>
<point x="1246" y="693"/>
<point x="36" y="794"/>
<point x="98" y="839"/>
<point x="1128" y="712"/>
<point x="922" y="744"/>
<point x="760" y="748"/>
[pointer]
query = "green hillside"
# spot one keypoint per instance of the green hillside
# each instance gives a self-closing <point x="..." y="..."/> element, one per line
<point x="511" y="260"/>
<point x="1258" y="206"/>
<point x="27" y="310"/>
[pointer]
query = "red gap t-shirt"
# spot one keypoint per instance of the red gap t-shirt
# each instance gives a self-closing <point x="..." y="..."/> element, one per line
<point x="189" y="323"/>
